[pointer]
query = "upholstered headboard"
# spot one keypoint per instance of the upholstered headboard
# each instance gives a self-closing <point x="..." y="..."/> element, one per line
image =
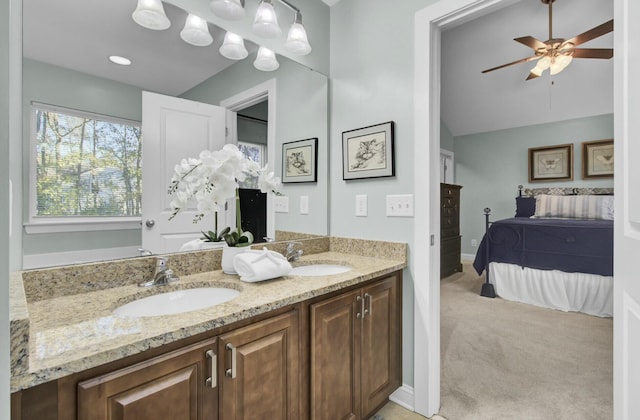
<point x="532" y="192"/>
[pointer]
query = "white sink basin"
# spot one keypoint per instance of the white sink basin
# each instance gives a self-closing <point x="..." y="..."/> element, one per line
<point x="319" y="270"/>
<point x="177" y="302"/>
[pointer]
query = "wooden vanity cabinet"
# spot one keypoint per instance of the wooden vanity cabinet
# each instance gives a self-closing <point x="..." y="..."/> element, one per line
<point x="356" y="350"/>
<point x="178" y="385"/>
<point x="260" y="370"/>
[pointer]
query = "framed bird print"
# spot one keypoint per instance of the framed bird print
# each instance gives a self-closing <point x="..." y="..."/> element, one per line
<point x="597" y="159"/>
<point x="368" y="152"/>
<point x="551" y="163"/>
<point x="300" y="161"/>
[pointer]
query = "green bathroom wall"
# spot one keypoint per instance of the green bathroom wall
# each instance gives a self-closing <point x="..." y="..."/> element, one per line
<point x="372" y="61"/>
<point x="54" y="85"/>
<point x="301" y="113"/>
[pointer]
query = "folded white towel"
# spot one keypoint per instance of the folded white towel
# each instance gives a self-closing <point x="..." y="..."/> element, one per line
<point x="194" y="245"/>
<point x="253" y="266"/>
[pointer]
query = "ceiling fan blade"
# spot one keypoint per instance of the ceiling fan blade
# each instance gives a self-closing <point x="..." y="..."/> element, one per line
<point x="531" y="76"/>
<point x="524" y="60"/>
<point x="593" y="53"/>
<point x="599" y="30"/>
<point x="531" y="42"/>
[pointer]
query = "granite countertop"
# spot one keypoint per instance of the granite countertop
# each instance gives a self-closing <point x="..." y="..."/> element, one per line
<point x="61" y="335"/>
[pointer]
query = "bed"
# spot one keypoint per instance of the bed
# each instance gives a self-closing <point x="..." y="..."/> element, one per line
<point x="557" y="252"/>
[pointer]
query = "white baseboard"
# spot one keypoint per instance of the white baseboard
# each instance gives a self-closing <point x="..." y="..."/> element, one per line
<point x="50" y="259"/>
<point x="467" y="257"/>
<point x="403" y="396"/>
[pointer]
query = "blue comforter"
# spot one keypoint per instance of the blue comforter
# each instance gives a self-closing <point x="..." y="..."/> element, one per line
<point x="574" y="246"/>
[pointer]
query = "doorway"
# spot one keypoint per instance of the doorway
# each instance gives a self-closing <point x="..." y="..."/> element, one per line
<point x="429" y="23"/>
<point x="252" y="102"/>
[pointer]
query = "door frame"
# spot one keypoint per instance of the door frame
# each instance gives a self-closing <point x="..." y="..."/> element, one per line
<point x="429" y="23"/>
<point x="245" y="99"/>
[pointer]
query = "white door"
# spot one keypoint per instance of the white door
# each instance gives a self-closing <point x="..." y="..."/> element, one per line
<point x="173" y="129"/>
<point x="626" y="319"/>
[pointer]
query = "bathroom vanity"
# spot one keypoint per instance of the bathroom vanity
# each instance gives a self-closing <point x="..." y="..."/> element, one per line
<point x="296" y="347"/>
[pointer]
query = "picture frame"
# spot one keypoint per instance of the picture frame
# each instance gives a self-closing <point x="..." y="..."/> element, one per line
<point x="368" y="152"/>
<point x="300" y="161"/>
<point x="597" y="159"/>
<point x="551" y="163"/>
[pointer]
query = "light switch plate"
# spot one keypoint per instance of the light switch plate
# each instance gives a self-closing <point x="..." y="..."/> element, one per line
<point x="400" y="205"/>
<point x="281" y="204"/>
<point x="361" y="205"/>
<point x="304" y="204"/>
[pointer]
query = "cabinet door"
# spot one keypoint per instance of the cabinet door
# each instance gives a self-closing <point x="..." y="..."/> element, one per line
<point x="381" y="335"/>
<point x="171" y="386"/>
<point x="335" y="344"/>
<point x="260" y="371"/>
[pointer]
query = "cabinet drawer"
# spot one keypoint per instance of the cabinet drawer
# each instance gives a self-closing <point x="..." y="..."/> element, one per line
<point x="449" y="191"/>
<point x="449" y="203"/>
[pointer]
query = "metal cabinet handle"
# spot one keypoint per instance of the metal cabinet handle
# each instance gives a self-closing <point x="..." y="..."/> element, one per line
<point x="369" y="309"/>
<point x="359" y="299"/>
<point x="231" y="373"/>
<point x="211" y="381"/>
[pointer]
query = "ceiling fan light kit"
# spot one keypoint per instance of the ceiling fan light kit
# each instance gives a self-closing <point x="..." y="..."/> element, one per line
<point x="556" y="54"/>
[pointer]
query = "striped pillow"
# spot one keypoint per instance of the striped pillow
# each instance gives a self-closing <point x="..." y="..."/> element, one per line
<point x="574" y="206"/>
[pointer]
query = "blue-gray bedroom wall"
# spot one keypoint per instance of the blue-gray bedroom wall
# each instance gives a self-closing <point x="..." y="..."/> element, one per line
<point x="491" y="165"/>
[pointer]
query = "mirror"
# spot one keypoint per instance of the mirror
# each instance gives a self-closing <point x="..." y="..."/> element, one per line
<point x="50" y="76"/>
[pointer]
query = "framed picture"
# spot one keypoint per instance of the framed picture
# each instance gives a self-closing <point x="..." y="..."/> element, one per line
<point x="597" y="159"/>
<point x="300" y="161"/>
<point x="551" y="163"/>
<point x="368" y="152"/>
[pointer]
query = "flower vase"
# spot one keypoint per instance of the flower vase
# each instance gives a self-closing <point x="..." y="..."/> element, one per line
<point x="228" y="254"/>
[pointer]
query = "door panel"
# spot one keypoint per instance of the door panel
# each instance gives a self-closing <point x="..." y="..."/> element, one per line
<point x="266" y="383"/>
<point x="380" y="344"/>
<point x="335" y="344"/>
<point x="168" y="386"/>
<point x="627" y="211"/>
<point x="174" y="129"/>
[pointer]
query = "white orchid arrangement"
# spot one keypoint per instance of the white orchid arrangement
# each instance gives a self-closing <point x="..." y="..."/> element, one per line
<point x="211" y="180"/>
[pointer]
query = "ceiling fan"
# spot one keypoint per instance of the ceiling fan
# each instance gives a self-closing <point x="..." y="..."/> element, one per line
<point x="556" y="53"/>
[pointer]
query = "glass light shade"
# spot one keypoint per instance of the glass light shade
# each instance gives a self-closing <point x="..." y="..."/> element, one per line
<point x="266" y="60"/>
<point x="150" y="14"/>
<point x="297" y="42"/>
<point x="228" y="9"/>
<point x="560" y="63"/>
<point x="265" y="23"/>
<point x="233" y="47"/>
<point x="196" y="31"/>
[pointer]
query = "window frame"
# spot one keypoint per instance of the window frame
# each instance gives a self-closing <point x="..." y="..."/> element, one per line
<point x="58" y="224"/>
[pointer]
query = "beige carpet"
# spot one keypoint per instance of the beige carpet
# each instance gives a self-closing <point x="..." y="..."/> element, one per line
<point x="507" y="360"/>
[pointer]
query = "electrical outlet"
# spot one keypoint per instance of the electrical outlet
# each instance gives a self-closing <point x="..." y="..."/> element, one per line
<point x="281" y="204"/>
<point x="400" y="205"/>
<point x="304" y="204"/>
<point x="474" y="242"/>
<point x="361" y="205"/>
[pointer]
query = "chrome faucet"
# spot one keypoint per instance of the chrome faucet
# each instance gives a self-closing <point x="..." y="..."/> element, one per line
<point x="162" y="275"/>
<point x="293" y="254"/>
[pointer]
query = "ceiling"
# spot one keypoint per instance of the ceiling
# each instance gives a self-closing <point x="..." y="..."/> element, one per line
<point x="472" y="102"/>
<point x="82" y="34"/>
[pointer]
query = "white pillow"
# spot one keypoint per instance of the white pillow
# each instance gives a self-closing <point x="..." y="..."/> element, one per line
<point x="574" y="206"/>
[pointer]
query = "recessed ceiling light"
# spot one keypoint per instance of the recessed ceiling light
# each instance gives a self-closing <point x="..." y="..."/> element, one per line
<point x="119" y="60"/>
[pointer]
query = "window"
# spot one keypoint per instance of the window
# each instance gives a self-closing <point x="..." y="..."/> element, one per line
<point x="257" y="153"/>
<point x="84" y="166"/>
